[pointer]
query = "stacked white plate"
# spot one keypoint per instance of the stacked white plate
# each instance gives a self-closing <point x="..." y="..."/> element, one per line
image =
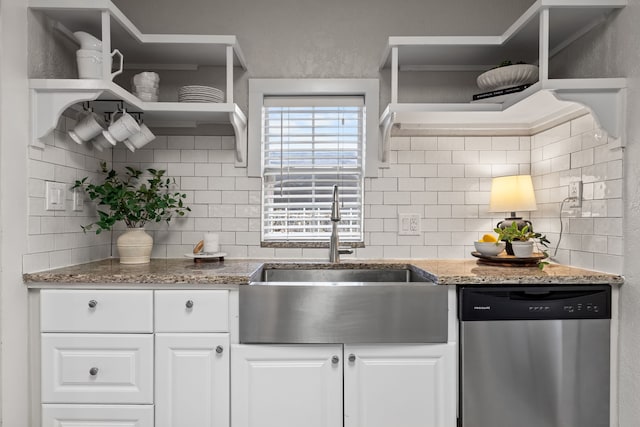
<point x="146" y="86"/>
<point x="195" y="93"/>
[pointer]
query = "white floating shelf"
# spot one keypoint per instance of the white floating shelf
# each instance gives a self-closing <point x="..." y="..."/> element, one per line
<point x="546" y="28"/>
<point x="51" y="97"/>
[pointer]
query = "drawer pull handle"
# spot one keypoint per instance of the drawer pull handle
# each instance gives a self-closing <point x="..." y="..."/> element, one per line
<point x="219" y="349"/>
<point x="93" y="371"/>
<point x="352" y="358"/>
<point x="93" y="303"/>
<point x="335" y="359"/>
<point x="189" y="304"/>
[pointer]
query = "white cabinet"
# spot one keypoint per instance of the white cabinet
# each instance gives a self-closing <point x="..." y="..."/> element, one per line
<point x="286" y="385"/>
<point x="103" y="363"/>
<point x="384" y="385"/>
<point x="192" y="366"/>
<point x="410" y="385"/>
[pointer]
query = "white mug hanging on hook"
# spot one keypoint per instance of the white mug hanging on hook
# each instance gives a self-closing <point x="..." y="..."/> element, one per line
<point x="88" y="126"/>
<point x="140" y="139"/>
<point x="122" y="128"/>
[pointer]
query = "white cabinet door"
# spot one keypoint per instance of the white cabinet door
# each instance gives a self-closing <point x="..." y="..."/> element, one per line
<point x="410" y="385"/>
<point x="192" y="380"/>
<point x="286" y="385"/>
<point x="97" y="416"/>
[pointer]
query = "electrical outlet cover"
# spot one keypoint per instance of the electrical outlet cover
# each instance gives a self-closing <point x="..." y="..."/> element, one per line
<point x="409" y="224"/>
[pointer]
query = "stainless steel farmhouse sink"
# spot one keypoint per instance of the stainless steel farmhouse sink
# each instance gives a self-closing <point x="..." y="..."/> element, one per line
<point x="342" y="305"/>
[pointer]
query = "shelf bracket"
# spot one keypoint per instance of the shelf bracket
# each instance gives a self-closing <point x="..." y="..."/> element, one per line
<point x="386" y="123"/>
<point x="608" y="106"/>
<point x="48" y="105"/>
<point x="239" y="123"/>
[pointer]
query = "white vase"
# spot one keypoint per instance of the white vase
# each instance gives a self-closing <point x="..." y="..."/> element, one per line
<point x="134" y="246"/>
<point x="522" y="249"/>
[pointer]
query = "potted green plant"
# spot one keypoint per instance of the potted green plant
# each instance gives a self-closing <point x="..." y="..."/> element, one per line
<point x="136" y="200"/>
<point x="521" y="239"/>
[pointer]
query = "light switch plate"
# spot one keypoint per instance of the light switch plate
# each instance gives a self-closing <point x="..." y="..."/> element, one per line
<point x="408" y="224"/>
<point x="55" y="195"/>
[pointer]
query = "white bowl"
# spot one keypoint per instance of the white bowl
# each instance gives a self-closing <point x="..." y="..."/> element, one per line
<point x="509" y="76"/>
<point x="490" y="248"/>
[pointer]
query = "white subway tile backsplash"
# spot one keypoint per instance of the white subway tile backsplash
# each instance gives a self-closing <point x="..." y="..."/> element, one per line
<point x="453" y="143"/>
<point x="410" y="157"/>
<point x="451" y="171"/>
<point x="181" y="142"/>
<point x="446" y="180"/>
<point x="166" y="156"/>
<point x="492" y="157"/>
<point x="208" y="142"/>
<point x="478" y="143"/>
<point x="425" y="170"/>
<point x="397" y="198"/>
<point x="424" y="143"/>
<point x="506" y="143"/>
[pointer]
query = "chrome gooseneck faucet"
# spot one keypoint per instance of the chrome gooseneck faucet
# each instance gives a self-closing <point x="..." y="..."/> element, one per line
<point x="334" y="243"/>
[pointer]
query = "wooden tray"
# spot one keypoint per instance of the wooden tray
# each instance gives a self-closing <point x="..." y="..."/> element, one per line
<point x="509" y="260"/>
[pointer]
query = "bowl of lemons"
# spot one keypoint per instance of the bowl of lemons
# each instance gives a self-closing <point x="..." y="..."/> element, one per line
<point x="489" y="245"/>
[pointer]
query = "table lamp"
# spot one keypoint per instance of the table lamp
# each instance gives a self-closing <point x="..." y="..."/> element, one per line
<point x="511" y="194"/>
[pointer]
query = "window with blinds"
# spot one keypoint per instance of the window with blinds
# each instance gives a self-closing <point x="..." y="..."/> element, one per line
<point x="310" y="144"/>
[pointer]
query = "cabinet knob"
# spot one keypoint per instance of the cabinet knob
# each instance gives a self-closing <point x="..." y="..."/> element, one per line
<point x="189" y="304"/>
<point x="93" y="303"/>
<point x="335" y="359"/>
<point x="352" y="358"/>
<point x="219" y="349"/>
<point x="93" y="371"/>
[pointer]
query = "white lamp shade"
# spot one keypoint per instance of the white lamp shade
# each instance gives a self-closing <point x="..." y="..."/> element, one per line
<point x="512" y="193"/>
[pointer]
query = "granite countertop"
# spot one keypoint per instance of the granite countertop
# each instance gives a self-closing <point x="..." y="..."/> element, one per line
<point x="240" y="272"/>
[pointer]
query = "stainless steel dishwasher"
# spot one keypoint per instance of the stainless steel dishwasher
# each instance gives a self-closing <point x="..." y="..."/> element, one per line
<point x="534" y="356"/>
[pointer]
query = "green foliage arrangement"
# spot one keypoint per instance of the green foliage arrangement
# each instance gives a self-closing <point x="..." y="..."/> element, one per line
<point x="131" y="199"/>
<point x="513" y="233"/>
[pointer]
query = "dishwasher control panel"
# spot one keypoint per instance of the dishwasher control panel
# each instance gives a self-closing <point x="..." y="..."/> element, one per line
<point x="534" y="302"/>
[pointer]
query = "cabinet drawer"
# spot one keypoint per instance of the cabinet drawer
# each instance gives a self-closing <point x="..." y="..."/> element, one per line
<point x="96" y="311"/>
<point x="97" y="415"/>
<point x="97" y="368"/>
<point x="192" y="311"/>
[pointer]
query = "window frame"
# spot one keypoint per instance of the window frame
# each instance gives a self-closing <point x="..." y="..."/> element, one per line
<point x="368" y="89"/>
<point x="306" y="161"/>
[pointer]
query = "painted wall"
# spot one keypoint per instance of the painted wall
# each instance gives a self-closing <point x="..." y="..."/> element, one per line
<point x="612" y="51"/>
<point x="14" y="135"/>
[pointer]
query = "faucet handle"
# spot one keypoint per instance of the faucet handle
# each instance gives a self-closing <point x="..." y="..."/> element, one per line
<point x="345" y="251"/>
